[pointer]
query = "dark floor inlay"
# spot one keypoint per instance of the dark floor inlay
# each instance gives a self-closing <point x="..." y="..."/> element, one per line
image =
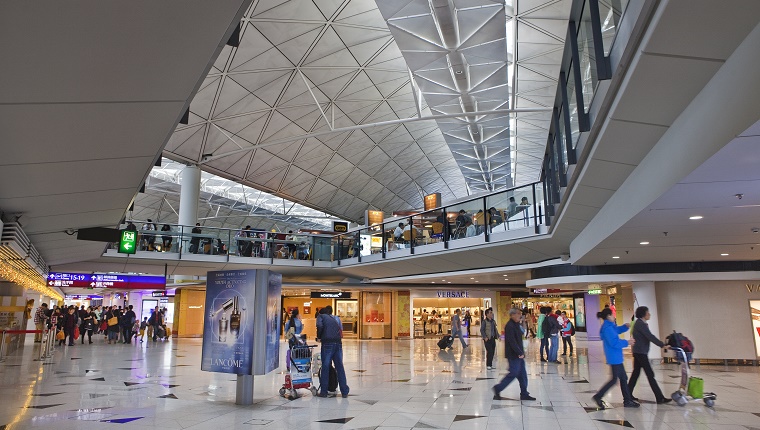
<point x="128" y="368"/>
<point x="401" y="380"/>
<point x="582" y="381"/>
<point x="168" y="396"/>
<point x="460" y="389"/>
<point x="101" y="379"/>
<point x="483" y="379"/>
<point x="93" y="396"/>
<point x="122" y="420"/>
<point x="169" y="385"/>
<point x="621" y="423"/>
<point x="590" y="409"/>
<point x="129" y="384"/>
<point x="58" y="372"/>
<point x="91" y="371"/>
<point x="360" y="371"/>
<point x="46" y="394"/>
<point x="258" y="422"/>
<point x="44" y="406"/>
<point x="337" y="420"/>
<point x="76" y="358"/>
<point x="543" y="408"/>
<point x="468" y="417"/>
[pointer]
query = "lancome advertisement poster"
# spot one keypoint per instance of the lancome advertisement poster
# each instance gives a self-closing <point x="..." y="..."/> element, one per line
<point x="227" y="328"/>
<point x="274" y="292"/>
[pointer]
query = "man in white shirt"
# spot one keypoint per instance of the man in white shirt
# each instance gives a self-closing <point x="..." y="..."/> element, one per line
<point x="398" y="235"/>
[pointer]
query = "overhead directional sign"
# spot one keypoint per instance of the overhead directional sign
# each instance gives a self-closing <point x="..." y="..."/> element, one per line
<point x="128" y="242"/>
<point x="116" y="281"/>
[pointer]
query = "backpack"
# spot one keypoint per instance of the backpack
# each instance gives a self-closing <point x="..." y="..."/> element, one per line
<point x="572" y="328"/>
<point x="678" y="340"/>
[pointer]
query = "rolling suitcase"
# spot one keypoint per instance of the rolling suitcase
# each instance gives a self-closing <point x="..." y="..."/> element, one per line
<point x="446" y="341"/>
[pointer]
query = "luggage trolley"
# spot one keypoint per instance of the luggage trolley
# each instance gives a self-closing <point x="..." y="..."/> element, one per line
<point x="690" y="386"/>
<point x="299" y="374"/>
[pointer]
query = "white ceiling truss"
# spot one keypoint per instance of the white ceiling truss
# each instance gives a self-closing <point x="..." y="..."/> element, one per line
<point x="316" y="105"/>
<point x="224" y="203"/>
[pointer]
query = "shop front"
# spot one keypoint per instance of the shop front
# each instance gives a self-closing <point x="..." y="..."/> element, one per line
<point x="344" y="303"/>
<point x="570" y="302"/>
<point x="432" y="310"/>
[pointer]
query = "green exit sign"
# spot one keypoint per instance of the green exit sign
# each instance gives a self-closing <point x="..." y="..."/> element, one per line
<point x="128" y="242"/>
<point x="594" y="292"/>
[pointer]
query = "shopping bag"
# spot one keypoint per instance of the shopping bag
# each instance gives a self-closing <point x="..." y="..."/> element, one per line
<point x="76" y="333"/>
<point x="696" y="387"/>
<point x="113" y="321"/>
<point x="60" y="335"/>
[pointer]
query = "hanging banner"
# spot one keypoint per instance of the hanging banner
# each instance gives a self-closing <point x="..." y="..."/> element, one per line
<point x="228" y="325"/>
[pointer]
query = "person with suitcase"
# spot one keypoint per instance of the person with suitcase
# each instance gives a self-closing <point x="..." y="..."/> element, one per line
<point x="330" y="333"/>
<point x="456" y="328"/>
<point x="644" y="337"/>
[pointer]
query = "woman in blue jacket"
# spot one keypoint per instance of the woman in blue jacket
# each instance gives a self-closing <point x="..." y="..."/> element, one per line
<point x="613" y="351"/>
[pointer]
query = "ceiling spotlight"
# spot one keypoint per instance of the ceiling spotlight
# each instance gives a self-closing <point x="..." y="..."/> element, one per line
<point x="477" y="281"/>
<point x="458" y="72"/>
<point x="449" y="282"/>
<point x="724" y="255"/>
<point x="643" y="243"/>
<point x="616" y="257"/>
<point x="433" y="282"/>
<point x="504" y="275"/>
<point x="472" y="278"/>
<point x="696" y="217"/>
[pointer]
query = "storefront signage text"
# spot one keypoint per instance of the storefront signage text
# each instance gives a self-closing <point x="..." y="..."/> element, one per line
<point x="340" y="226"/>
<point x="595" y="292"/>
<point x="546" y="291"/>
<point x="161" y="294"/>
<point x="753" y="288"/>
<point x="454" y="294"/>
<point x="612" y="290"/>
<point x="330" y="295"/>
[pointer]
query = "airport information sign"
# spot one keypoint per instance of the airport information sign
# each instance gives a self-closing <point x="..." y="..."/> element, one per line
<point x="116" y="281"/>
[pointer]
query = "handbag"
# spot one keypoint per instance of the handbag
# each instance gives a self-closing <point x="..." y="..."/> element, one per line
<point x="103" y="326"/>
<point x="696" y="387"/>
<point x="113" y="321"/>
<point x="60" y="335"/>
<point x="76" y="333"/>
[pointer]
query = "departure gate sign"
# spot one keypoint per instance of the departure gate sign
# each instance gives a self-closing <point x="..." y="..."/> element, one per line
<point x="128" y="242"/>
<point x="117" y="281"/>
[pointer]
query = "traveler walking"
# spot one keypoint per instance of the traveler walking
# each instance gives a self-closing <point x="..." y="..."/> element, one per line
<point x="643" y="337"/>
<point x="551" y="331"/>
<point x="88" y="325"/>
<point x="424" y="318"/>
<point x="568" y="330"/>
<point x="613" y="351"/>
<point x="467" y="320"/>
<point x="129" y="317"/>
<point x="541" y="336"/>
<point x="513" y="350"/>
<point x="40" y="316"/>
<point x="112" y="332"/>
<point x="143" y="326"/>
<point x="489" y="333"/>
<point x="156" y="320"/>
<point x="330" y="333"/>
<point x="456" y="327"/>
<point x="70" y="324"/>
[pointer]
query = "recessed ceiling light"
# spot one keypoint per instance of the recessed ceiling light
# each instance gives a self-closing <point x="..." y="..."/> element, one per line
<point x="472" y="278"/>
<point x="695" y="217"/>
<point x="443" y="280"/>
<point x="477" y="281"/>
<point x="504" y="275"/>
<point x="724" y="255"/>
<point x="449" y="282"/>
<point x="616" y="257"/>
<point x="458" y="72"/>
<point x="643" y="243"/>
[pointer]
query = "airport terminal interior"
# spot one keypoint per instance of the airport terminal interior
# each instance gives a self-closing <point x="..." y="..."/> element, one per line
<point x="377" y="214"/>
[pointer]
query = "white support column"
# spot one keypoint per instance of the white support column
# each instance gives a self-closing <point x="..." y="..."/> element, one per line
<point x="644" y="294"/>
<point x="190" y="182"/>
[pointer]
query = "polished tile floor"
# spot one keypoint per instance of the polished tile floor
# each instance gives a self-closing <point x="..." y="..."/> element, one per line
<point x="394" y="384"/>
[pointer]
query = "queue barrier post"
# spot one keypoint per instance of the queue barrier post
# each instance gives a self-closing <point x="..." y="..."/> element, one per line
<point x="2" y="347"/>
<point x="42" y="347"/>
<point x="51" y="342"/>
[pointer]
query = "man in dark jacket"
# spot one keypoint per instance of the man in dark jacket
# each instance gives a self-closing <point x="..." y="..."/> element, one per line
<point x="551" y="331"/>
<point x="70" y="320"/>
<point x="330" y="333"/>
<point x="643" y="337"/>
<point x="489" y="333"/>
<point x="513" y="349"/>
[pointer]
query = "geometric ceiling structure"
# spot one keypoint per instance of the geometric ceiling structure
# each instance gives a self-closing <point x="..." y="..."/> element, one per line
<point x="457" y="52"/>
<point x="264" y="114"/>
<point x="223" y="203"/>
<point x="536" y="30"/>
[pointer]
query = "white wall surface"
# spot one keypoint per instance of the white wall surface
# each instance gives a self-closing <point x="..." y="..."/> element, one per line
<point x="713" y="314"/>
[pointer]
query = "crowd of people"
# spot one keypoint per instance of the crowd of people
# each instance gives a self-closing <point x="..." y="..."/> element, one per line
<point x="116" y="324"/>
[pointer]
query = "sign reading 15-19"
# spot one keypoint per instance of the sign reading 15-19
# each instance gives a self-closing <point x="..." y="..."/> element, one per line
<point x="128" y="242"/>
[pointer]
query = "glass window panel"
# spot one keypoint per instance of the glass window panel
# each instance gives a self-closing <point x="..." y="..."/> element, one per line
<point x="587" y="56"/>
<point x="376" y="315"/>
<point x="573" y="104"/>
<point x="610" y="12"/>
<point x="561" y="137"/>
